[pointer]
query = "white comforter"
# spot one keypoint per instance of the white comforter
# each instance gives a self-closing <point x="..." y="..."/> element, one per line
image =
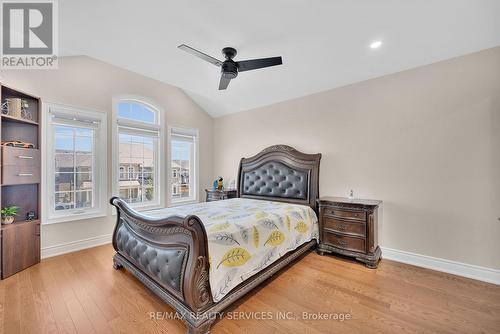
<point x="245" y="235"/>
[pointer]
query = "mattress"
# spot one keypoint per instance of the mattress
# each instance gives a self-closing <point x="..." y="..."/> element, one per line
<point x="246" y="235"/>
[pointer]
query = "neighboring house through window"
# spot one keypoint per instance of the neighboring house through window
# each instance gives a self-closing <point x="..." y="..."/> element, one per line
<point x="75" y="164"/>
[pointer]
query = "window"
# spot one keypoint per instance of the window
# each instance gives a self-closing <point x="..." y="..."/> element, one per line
<point x="136" y="111"/>
<point x="183" y="164"/>
<point x="131" y="173"/>
<point x="75" y="164"/>
<point x="137" y="143"/>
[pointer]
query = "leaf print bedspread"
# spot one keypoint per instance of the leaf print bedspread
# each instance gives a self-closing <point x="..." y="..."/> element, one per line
<point x="246" y="235"/>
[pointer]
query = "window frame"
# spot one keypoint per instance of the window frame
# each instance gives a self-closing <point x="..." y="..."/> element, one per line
<point x="191" y="132"/>
<point x="159" y="172"/>
<point x="99" y="170"/>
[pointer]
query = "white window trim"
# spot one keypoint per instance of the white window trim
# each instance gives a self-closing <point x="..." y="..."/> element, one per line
<point x="160" y="156"/>
<point x="195" y="133"/>
<point x="50" y="216"/>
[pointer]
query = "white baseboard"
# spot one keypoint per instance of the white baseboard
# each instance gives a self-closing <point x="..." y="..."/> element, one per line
<point x="74" y="246"/>
<point x="452" y="267"/>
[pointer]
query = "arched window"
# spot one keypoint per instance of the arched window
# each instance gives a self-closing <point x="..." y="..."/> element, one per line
<point x="137" y="134"/>
<point x="136" y="111"/>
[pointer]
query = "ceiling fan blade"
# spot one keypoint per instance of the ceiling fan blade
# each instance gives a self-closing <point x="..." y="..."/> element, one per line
<point x="200" y="54"/>
<point x="224" y="82"/>
<point x="253" y="64"/>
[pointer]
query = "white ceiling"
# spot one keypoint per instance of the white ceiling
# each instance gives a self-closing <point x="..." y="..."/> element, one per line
<point x="324" y="44"/>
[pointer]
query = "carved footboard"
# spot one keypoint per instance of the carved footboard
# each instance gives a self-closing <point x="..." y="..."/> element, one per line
<point x="169" y="255"/>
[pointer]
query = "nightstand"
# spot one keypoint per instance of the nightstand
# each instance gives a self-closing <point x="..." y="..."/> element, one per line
<point x="349" y="227"/>
<point x="217" y="195"/>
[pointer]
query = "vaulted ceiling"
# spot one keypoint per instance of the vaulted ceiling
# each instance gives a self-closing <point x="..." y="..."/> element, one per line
<point x="324" y="43"/>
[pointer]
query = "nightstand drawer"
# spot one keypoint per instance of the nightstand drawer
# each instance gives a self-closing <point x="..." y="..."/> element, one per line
<point x="215" y="196"/>
<point x="348" y="227"/>
<point x="218" y="195"/>
<point x="344" y="242"/>
<point x="355" y="215"/>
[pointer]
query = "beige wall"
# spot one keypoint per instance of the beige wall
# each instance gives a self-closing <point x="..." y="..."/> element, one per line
<point x="85" y="82"/>
<point x="425" y="141"/>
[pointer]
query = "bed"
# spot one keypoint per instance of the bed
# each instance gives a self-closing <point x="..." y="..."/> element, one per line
<point x="202" y="258"/>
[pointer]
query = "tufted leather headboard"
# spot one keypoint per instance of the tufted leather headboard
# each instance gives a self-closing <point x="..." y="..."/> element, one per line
<point x="280" y="173"/>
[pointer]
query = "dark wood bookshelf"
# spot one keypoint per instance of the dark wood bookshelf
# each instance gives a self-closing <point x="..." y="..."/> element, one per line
<point x="20" y="171"/>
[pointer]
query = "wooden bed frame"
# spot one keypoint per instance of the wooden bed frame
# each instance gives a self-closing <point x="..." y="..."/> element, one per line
<point x="170" y="255"/>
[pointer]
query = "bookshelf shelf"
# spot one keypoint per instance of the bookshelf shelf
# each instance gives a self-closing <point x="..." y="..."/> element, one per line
<point x="9" y="118"/>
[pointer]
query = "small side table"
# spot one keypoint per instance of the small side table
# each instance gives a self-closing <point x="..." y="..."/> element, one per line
<point x="218" y="195"/>
<point x="349" y="227"/>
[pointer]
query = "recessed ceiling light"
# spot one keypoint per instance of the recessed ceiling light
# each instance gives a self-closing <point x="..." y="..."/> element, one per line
<point x="376" y="44"/>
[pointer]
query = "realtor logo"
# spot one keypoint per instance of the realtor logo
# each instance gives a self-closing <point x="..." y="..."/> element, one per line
<point x="29" y="34"/>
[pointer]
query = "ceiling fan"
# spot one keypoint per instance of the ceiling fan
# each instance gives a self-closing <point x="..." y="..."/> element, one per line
<point x="229" y="67"/>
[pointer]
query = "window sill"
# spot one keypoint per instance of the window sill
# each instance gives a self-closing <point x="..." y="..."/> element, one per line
<point x="74" y="217"/>
<point x="183" y="202"/>
<point x="147" y="207"/>
<point x="141" y="208"/>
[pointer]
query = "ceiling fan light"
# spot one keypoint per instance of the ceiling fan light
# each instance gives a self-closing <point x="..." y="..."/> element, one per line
<point x="375" y="44"/>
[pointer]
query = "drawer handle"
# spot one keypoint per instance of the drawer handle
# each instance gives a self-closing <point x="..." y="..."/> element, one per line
<point x="353" y="214"/>
<point x="24" y="174"/>
<point x="24" y="157"/>
<point x="342" y="243"/>
<point x="341" y="227"/>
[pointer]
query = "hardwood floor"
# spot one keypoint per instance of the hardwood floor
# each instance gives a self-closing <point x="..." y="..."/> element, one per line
<point x="82" y="293"/>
